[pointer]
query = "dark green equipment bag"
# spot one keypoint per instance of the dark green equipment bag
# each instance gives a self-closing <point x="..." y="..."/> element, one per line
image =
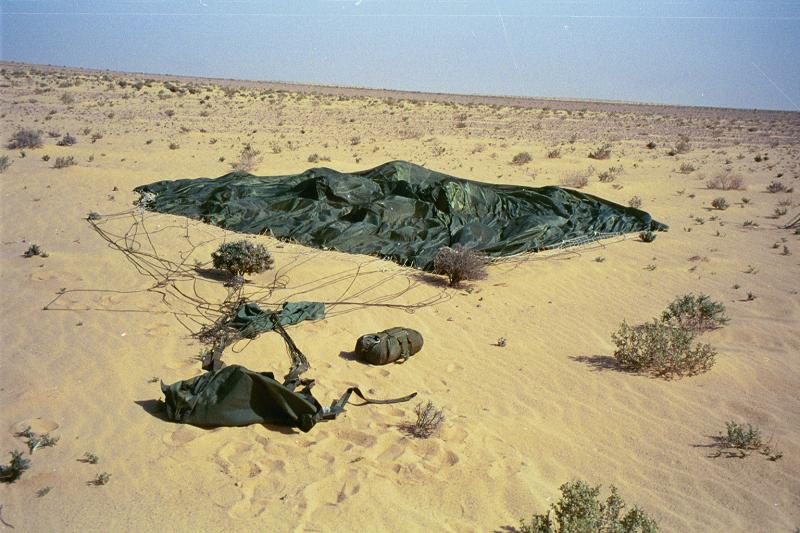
<point x="389" y="346"/>
<point x="235" y="396"/>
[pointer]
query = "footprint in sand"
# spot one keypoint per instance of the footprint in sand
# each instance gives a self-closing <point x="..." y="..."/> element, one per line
<point x="37" y="425"/>
<point x="47" y="275"/>
<point x="182" y="436"/>
<point x="359" y="438"/>
<point x="159" y="330"/>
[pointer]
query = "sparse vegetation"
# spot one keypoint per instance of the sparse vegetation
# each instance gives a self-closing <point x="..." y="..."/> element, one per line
<point x="726" y="181"/>
<point x="719" y="203"/>
<point x="687" y="168"/>
<point x="603" y="152"/>
<point x="90" y="458"/>
<point x="580" y="511"/>
<point x="740" y="440"/>
<point x="521" y="158"/>
<point x="555" y="153"/>
<point x="4" y="163"/>
<point x="647" y="236"/>
<point x="67" y="140"/>
<point x="635" y="202"/>
<point x="64" y="162"/>
<point x="429" y="421"/>
<point x="34" y="249"/>
<point x="576" y="180"/>
<point x="459" y="264"/>
<point x="242" y="257"/>
<point x="776" y="187"/>
<point x="696" y="313"/>
<point x="101" y="479"/>
<point x="25" y="138"/>
<point x="249" y="159"/>
<point x="11" y="472"/>
<point x="682" y="146"/>
<point x="661" y="349"/>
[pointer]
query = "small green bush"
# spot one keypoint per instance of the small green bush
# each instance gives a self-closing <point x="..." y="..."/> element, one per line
<point x="661" y="349"/>
<point x="743" y="439"/>
<point x="4" y="163"/>
<point x="695" y="313"/>
<point x="580" y="511"/>
<point x="242" y="257"/>
<point x="647" y="236"/>
<point x="12" y="472"/>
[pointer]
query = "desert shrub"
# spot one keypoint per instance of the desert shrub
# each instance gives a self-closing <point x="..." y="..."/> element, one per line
<point x="12" y="472"/>
<point x="695" y="313"/>
<point x="635" y="202"/>
<point x="521" y="158"/>
<point x="67" y="99"/>
<point x="742" y="439"/>
<point x="662" y="349"/>
<point x="682" y="146"/>
<point x="726" y="181"/>
<point x="355" y="141"/>
<point x="174" y="146"/>
<point x="242" y="257"/>
<point x="67" y="140"/>
<point x="64" y="162"/>
<point x="647" y="236"/>
<point x="651" y="145"/>
<point x="687" y="168"/>
<point x="249" y="158"/>
<point x="102" y="479"/>
<point x="776" y="186"/>
<point x="576" y="180"/>
<point x="34" y="249"/>
<point x="429" y="420"/>
<point x="459" y="264"/>
<point x="719" y="203"/>
<point x="580" y="511"/>
<point x="25" y="138"/>
<point x="603" y="152"/>
<point x="4" y="163"/>
<point x="555" y="153"/>
<point x="313" y="158"/>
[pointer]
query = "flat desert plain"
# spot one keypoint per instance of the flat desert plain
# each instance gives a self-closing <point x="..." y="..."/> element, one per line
<point x="91" y="326"/>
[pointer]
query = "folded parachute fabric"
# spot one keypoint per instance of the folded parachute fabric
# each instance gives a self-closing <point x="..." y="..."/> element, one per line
<point x="398" y="211"/>
<point x="236" y="396"/>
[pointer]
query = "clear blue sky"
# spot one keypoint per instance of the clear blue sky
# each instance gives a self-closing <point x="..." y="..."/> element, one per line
<point x="730" y="53"/>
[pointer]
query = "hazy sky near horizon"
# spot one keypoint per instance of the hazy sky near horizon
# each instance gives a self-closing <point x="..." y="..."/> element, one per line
<point x="729" y="53"/>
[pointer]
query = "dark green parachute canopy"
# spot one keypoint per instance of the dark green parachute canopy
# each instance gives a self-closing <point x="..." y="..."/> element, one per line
<point x="399" y="211"/>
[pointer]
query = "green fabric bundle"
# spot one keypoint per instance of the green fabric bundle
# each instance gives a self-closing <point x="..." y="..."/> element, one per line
<point x="399" y="211"/>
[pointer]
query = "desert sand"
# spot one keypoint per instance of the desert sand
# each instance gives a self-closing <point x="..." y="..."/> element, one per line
<point x="86" y="336"/>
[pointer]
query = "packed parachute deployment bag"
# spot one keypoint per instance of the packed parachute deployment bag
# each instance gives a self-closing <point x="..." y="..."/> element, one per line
<point x="388" y="346"/>
<point x="235" y="396"/>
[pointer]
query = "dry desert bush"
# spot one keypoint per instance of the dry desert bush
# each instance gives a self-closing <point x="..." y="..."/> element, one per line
<point x="726" y="181"/>
<point x="459" y="264"/>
